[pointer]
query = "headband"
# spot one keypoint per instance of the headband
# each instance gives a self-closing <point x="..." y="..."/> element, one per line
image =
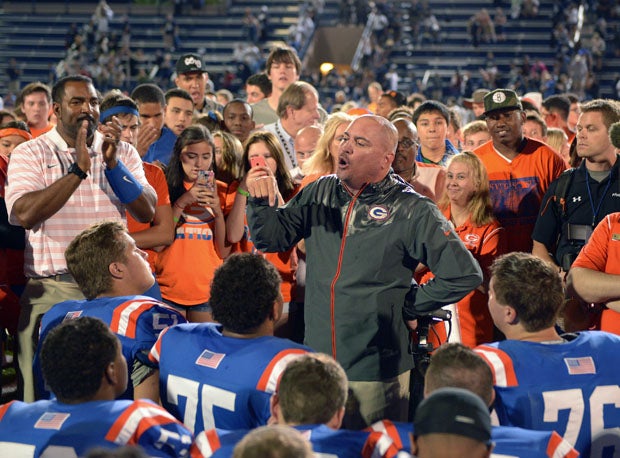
<point x="119" y="109"/>
<point x="15" y="131"/>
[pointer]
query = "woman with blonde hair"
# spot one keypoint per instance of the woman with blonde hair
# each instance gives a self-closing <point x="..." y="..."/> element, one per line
<point x="466" y="204"/>
<point x="558" y="141"/>
<point x="325" y="157"/>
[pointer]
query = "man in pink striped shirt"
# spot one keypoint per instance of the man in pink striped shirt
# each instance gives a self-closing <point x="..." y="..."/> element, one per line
<point x="58" y="185"/>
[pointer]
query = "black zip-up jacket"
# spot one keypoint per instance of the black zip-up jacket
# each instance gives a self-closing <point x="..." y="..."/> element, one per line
<point x="361" y="252"/>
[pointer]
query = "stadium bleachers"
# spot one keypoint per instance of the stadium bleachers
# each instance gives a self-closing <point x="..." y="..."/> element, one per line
<point x="34" y="34"/>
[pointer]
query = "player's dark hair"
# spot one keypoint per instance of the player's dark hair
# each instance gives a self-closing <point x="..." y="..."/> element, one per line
<point x="313" y="387"/>
<point x="149" y="93"/>
<point x="75" y="355"/>
<point x="242" y="102"/>
<point x="90" y="254"/>
<point x="530" y="286"/>
<point x="262" y="81"/>
<point x="429" y="106"/>
<point x="457" y="366"/>
<point x="283" y="54"/>
<point x="559" y="104"/>
<point x="243" y="291"/>
<point x="178" y="93"/>
<point x="21" y="125"/>
<point x="58" y="91"/>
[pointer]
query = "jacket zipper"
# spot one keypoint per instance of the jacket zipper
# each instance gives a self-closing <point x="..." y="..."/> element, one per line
<point x="332" y="298"/>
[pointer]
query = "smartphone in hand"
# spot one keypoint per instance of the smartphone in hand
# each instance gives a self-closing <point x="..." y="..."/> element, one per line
<point x="258" y="161"/>
<point x="206" y="178"/>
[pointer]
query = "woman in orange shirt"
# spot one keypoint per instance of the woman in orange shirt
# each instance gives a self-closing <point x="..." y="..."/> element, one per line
<point x="185" y="268"/>
<point x="466" y="204"/>
<point x="265" y="145"/>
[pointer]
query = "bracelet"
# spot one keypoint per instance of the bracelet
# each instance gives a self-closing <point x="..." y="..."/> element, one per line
<point x="243" y="192"/>
<point x="178" y="206"/>
<point x="123" y="183"/>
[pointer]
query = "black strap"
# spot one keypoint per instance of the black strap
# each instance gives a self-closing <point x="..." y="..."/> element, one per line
<point x="561" y="190"/>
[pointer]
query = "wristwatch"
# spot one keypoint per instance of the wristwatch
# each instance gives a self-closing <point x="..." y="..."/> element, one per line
<point x="78" y="171"/>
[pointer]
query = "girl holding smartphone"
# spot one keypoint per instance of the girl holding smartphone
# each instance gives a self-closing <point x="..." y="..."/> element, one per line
<point x="185" y="268"/>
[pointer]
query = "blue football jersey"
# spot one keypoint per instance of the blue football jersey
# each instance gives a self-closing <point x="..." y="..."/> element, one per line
<point x="136" y="321"/>
<point x="208" y="380"/>
<point x="509" y="442"/>
<point x="570" y="387"/>
<point x="70" y="430"/>
<point x="339" y="443"/>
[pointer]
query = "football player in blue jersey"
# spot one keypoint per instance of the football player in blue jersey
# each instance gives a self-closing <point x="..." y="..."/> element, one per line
<point x="545" y="380"/>
<point x="455" y="365"/>
<point x="85" y="368"/>
<point x="112" y="273"/>
<point x="311" y="398"/>
<point x="223" y="374"/>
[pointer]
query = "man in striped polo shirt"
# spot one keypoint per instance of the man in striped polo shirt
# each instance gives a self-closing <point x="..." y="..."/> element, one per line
<point x="59" y="184"/>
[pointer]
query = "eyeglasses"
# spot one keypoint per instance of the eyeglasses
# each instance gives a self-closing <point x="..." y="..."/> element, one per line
<point x="406" y="143"/>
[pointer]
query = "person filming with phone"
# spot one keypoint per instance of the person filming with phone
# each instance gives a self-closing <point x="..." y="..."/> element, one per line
<point x="185" y="269"/>
<point x="263" y="156"/>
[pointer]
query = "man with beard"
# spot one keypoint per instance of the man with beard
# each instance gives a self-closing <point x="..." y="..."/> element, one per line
<point x="56" y="185"/>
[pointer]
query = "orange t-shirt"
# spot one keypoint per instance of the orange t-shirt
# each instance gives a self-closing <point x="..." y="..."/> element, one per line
<point x="517" y="187"/>
<point x="602" y="253"/>
<point x="485" y="243"/>
<point x="36" y="132"/>
<point x="284" y="261"/>
<point x="185" y="269"/>
<point x="156" y="178"/>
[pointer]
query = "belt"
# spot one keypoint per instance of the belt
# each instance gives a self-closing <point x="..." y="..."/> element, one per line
<point x="66" y="277"/>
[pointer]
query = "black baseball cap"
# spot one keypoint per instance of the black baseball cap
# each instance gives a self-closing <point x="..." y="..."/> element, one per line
<point x="188" y="63"/>
<point x="453" y="411"/>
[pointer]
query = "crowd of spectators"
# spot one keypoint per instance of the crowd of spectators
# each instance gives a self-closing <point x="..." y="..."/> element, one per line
<point x="239" y="206"/>
<point x="103" y="49"/>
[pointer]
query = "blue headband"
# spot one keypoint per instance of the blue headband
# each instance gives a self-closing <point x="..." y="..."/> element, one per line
<point x="118" y="109"/>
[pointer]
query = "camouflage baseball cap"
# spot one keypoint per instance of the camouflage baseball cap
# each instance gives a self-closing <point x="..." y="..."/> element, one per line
<point x="501" y="99"/>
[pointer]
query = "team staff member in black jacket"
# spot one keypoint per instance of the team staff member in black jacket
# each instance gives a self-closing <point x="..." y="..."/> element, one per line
<point x="365" y="232"/>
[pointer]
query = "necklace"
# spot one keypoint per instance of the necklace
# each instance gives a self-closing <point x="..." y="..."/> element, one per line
<point x="285" y="145"/>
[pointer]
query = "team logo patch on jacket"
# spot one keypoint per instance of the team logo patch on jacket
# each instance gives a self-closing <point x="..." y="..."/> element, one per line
<point x="378" y="213"/>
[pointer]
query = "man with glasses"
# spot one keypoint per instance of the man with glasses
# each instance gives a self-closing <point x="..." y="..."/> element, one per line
<point x="520" y="169"/>
<point x="406" y="166"/>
